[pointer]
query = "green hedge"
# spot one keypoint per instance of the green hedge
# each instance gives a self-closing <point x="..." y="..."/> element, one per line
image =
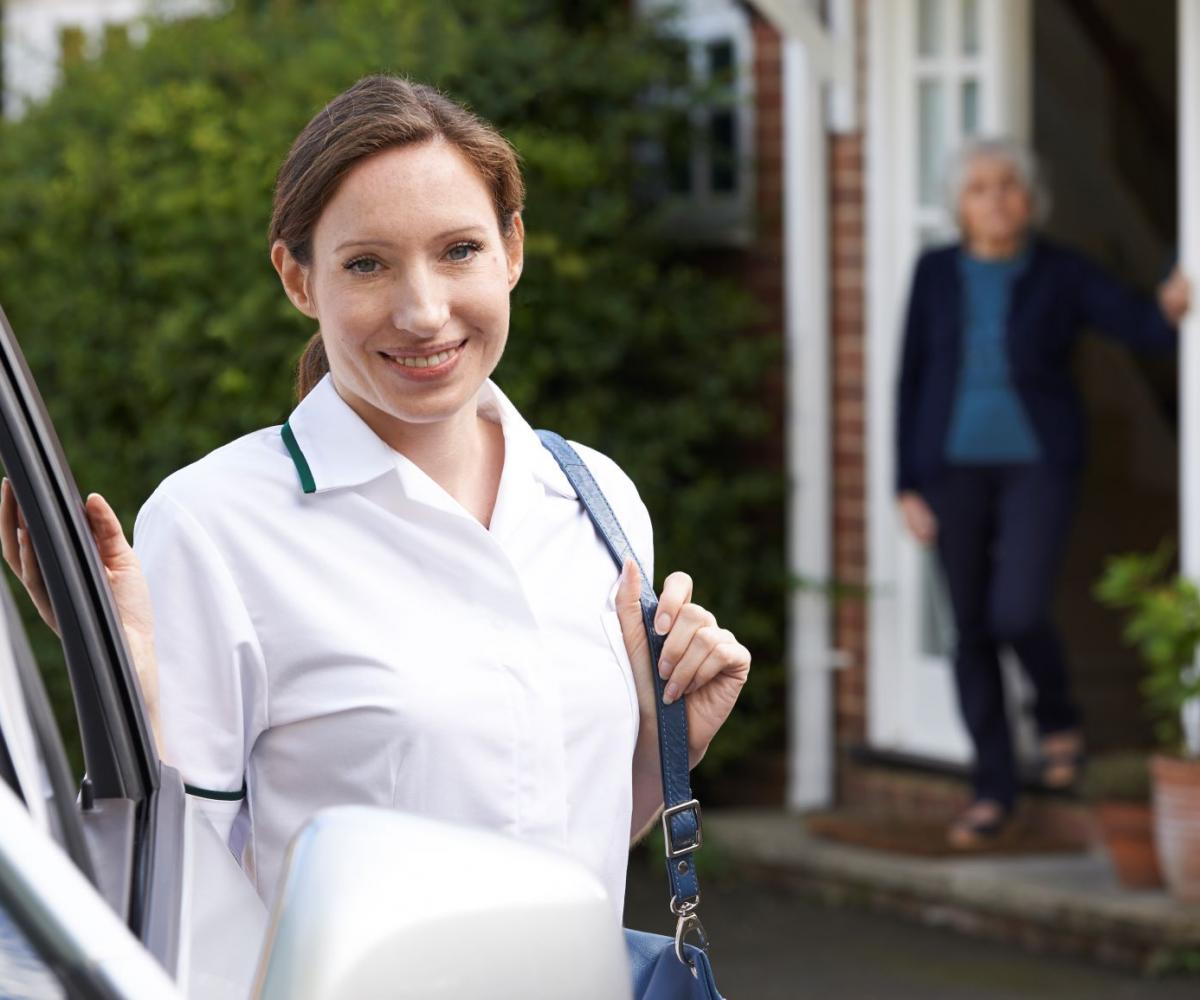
<point x="134" y="267"/>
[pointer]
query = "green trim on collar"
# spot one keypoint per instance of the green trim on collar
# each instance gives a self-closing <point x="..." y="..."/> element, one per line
<point x="208" y="793"/>
<point x="307" y="483"/>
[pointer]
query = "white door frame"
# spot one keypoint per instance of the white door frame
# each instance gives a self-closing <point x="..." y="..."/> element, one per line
<point x="818" y="64"/>
<point x="910" y="697"/>
<point x="1189" y="360"/>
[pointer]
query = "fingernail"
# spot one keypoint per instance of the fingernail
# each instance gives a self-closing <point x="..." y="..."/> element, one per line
<point x="662" y="623"/>
<point x="665" y="667"/>
<point x="670" y="694"/>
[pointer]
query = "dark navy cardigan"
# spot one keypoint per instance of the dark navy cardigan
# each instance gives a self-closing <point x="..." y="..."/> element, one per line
<point x="1054" y="298"/>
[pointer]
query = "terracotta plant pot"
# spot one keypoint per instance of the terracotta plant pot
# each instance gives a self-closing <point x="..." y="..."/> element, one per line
<point x="1177" y="824"/>
<point x="1127" y="829"/>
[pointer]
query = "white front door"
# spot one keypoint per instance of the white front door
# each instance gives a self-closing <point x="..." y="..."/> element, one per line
<point x="940" y="71"/>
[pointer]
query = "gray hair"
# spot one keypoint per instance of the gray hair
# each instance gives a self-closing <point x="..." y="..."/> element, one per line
<point x="1019" y="156"/>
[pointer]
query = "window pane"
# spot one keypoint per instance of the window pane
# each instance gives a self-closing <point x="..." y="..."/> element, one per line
<point x="23" y="975"/>
<point x="679" y="153"/>
<point x="930" y="140"/>
<point x="930" y="235"/>
<point x="720" y="63"/>
<point x="723" y="152"/>
<point x="970" y="107"/>
<point x="929" y="27"/>
<point x="970" y="27"/>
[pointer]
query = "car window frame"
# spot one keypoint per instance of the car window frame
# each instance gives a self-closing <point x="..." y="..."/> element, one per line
<point x="119" y="755"/>
<point x="140" y="829"/>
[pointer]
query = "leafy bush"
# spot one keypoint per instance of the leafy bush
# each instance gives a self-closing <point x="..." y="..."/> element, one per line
<point x="1163" y="622"/>
<point x="134" y="267"/>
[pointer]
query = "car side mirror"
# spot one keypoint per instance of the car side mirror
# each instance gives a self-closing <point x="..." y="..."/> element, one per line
<point x="380" y="905"/>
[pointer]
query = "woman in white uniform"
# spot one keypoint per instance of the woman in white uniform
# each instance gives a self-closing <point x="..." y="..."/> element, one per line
<point x="396" y="598"/>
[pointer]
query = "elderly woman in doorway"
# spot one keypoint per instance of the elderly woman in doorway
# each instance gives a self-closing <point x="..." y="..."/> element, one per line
<point x="396" y="598"/>
<point x="990" y="444"/>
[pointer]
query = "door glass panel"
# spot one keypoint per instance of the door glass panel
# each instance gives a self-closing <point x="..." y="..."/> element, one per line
<point x="930" y="140"/>
<point x="929" y="27"/>
<point x="970" y="107"/>
<point x="931" y="235"/>
<point x="970" y="27"/>
<point x="937" y="621"/>
<point x="23" y="975"/>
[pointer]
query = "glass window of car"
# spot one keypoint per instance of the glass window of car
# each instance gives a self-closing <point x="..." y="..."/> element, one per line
<point x="32" y="761"/>
<point x="23" y="755"/>
<point x="23" y="975"/>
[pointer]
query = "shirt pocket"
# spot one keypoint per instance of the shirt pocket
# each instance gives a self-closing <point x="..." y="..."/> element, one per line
<point x="612" y="629"/>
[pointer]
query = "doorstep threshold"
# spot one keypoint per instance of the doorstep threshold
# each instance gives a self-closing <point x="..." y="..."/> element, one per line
<point x="1066" y="904"/>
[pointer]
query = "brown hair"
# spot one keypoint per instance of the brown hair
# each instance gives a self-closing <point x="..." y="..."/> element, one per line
<point x="377" y="113"/>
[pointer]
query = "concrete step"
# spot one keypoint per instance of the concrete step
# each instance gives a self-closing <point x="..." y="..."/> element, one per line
<point x="1064" y="904"/>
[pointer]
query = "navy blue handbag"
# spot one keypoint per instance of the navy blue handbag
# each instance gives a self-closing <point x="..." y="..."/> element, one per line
<point x="664" y="968"/>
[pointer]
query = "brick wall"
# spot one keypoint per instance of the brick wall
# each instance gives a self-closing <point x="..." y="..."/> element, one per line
<point x="847" y="205"/>
<point x="764" y="262"/>
<point x="764" y="275"/>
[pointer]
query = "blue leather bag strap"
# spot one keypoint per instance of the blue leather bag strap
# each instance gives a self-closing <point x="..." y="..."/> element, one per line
<point x="681" y="813"/>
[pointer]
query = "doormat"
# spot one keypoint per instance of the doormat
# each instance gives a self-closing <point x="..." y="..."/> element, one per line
<point x="927" y="838"/>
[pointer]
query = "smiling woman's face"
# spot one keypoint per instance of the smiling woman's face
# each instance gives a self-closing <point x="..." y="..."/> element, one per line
<point x="409" y="280"/>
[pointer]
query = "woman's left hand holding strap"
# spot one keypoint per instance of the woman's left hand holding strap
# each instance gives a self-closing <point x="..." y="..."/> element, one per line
<point x="700" y="660"/>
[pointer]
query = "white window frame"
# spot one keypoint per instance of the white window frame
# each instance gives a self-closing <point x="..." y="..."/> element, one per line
<point x="702" y="215"/>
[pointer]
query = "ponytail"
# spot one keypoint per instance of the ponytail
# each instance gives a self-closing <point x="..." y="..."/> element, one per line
<point x="313" y="366"/>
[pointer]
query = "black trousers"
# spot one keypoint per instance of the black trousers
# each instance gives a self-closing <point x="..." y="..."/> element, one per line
<point x="1002" y="530"/>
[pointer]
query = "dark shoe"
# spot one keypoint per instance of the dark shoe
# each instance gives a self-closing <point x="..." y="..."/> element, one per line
<point x="1062" y="761"/>
<point x="980" y="825"/>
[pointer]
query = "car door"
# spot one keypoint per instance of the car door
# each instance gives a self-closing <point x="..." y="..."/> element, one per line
<point x="130" y="810"/>
<point x="58" y="937"/>
<point x="34" y="767"/>
<point x="150" y="852"/>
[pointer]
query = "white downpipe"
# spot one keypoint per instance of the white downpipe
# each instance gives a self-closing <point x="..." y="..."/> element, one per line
<point x="1189" y="358"/>
<point x="806" y="268"/>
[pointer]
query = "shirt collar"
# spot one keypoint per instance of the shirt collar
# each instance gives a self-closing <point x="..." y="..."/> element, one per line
<point x="333" y="448"/>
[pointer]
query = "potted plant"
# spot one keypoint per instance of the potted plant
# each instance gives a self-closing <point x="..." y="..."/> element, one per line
<point x="1118" y="787"/>
<point x="1163" y="621"/>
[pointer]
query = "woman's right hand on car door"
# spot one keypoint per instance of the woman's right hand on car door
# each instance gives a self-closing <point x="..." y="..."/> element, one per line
<point x="129" y="588"/>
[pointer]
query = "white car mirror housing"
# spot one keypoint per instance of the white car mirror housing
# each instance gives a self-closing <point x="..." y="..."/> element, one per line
<point x="380" y="905"/>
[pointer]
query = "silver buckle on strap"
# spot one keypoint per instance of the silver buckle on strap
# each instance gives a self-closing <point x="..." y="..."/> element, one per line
<point x="693" y="806"/>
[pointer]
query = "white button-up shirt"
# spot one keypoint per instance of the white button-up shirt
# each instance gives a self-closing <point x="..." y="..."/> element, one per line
<point x="333" y="627"/>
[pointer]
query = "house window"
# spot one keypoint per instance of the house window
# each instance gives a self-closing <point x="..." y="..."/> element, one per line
<point x="704" y="162"/>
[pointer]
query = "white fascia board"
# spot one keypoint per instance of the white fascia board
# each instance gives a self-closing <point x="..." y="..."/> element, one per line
<point x="830" y="51"/>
